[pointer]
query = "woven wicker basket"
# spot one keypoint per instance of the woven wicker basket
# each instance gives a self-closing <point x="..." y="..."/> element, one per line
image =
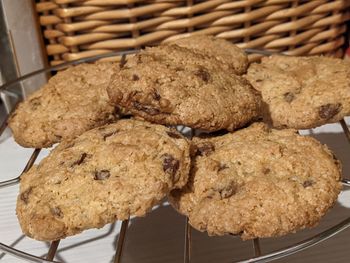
<point x="81" y="28"/>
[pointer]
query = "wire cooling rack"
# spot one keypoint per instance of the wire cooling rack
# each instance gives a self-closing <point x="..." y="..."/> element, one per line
<point x="257" y="257"/>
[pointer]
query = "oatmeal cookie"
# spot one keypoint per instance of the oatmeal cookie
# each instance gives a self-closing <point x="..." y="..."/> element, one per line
<point x="174" y="86"/>
<point x="224" y="51"/>
<point x="73" y="101"/>
<point x="106" y="174"/>
<point x="258" y="182"/>
<point x="302" y="92"/>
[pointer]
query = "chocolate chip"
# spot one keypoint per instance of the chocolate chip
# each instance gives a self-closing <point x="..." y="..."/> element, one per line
<point x="109" y="134"/>
<point x="307" y="183"/>
<point x="329" y="110"/>
<point x="205" y="149"/>
<point x="288" y="97"/>
<point x="102" y="175"/>
<point x="266" y="170"/>
<point x="170" y="164"/>
<point x="174" y="135"/>
<point x="135" y="77"/>
<point x="156" y="96"/>
<point x="56" y="211"/>
<point x="222" y="167"/>
<point x="259" y="80"/>
<point x="25" y="195"/>
<point x="80" y="160"/>
<point x="35" y="103"/>
<point x="146" y="108"/>
<point x="203" y="74"/>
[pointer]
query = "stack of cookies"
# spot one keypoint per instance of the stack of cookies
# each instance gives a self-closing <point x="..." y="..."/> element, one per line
<point x="253" y="180"/>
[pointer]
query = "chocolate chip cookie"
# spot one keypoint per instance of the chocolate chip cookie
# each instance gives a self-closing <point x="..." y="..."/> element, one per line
<point x="106" y="174"/>
<point x="73" y="101"/>
<point x="224" y="51"/>
<point x="302" y="92"/>
<point x="258" y="182"/>
<point x="173" y="86"/>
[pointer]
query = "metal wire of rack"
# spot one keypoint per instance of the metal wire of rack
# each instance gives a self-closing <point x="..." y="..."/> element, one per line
<point x="258" y="255"/>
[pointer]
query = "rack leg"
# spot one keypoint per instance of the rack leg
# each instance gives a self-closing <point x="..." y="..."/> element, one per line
<point x="188" y="240"/>
<point x="346" y="129"/>
<point x="31" y="161"/>
<point x="4" y="123"/>
<point x="121" y="239"/>
<point x="52" y="250"/>
<point x="122" y="61"/>
<point x="257" y="249"/>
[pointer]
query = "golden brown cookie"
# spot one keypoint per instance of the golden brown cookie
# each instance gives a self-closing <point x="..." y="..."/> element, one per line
<point x="73" y="101"/>
<point x="106" y="174"/>
<point x="221" y="49"/>
<point x="258" y="182"/>
<point x="302" y="92"/>
<point x="172" y="85"/>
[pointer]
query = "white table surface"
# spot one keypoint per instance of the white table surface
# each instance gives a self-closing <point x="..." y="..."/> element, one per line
<point x="158" y="237"/>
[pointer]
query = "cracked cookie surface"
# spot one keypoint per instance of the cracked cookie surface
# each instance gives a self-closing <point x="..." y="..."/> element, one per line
<point x="73" y="101"/>
<point x="221" y="49"/>
<point x="172" y="85"/>
<point x="302" y="92"/>
<point x="258" y="182"/>
<point x="106" y="174"/>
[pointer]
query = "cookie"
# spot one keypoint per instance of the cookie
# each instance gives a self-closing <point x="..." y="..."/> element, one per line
<point x="73" y="101"/>
<point x="106" y="174"/>
<point x="179" y="57"/>
<point x="224" y="51"/>
<point x="302" y="92"/>
<point x="174" y="86"/>
<point x="258" y="182"/>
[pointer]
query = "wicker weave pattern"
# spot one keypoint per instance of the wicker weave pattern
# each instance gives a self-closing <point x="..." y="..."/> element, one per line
<point x="80" y="28"/>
